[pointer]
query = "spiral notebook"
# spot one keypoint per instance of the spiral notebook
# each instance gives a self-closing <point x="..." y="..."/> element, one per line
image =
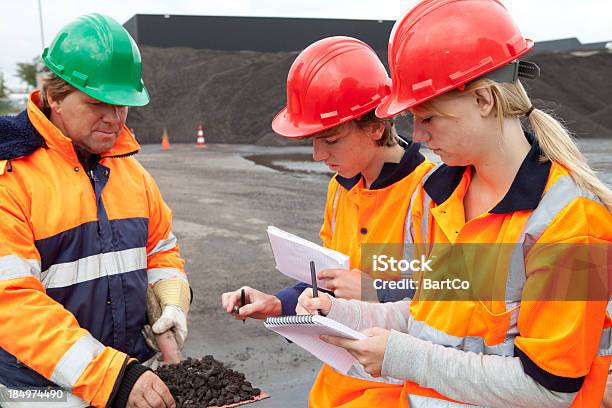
<point x="304" y="330"/>
<point x="292" y="255"/>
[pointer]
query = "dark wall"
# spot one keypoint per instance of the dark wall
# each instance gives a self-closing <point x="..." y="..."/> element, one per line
<point x="132" y="26"/>
<point x="267" y="34"/>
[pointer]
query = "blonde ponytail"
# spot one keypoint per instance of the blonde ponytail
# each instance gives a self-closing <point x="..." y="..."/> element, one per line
<point x="558" y="145"/>
<point x="554" y="139"/>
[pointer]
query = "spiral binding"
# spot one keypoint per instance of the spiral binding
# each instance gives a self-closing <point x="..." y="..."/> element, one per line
<point x="286" y="320"/>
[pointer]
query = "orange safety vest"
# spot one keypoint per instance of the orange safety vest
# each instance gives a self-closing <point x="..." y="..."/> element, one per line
<point x="77" y="252"/>
<point x="355" y="215"/>
<point x="565" y="345"/>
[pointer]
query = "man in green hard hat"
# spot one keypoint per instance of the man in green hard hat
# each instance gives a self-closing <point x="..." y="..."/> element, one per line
<point x="84" y="233"/>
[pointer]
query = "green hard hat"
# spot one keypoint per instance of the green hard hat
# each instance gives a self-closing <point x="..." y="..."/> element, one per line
<point x="96" y="55"/>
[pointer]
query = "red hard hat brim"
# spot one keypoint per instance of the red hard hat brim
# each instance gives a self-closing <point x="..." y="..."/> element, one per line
<point x="283" y="126"/>
<point x="390" y="106"/>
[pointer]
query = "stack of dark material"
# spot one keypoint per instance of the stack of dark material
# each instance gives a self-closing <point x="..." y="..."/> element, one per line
<point x="235" y="94"/>
<point x="206" y="382"/>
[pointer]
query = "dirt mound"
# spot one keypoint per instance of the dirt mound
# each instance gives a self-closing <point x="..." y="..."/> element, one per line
<point x="235" y="95"/>
<point x="206" y="383"/>
<point x="577" y="89"/>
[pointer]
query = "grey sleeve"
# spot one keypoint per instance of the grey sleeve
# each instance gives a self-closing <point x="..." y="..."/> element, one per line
<point x="360" y="315"/>
<point x="484" y="380"/>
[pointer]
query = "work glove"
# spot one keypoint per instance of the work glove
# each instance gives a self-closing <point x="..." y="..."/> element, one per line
<point x="172" y="318"/>
<point x="167" y="305"/>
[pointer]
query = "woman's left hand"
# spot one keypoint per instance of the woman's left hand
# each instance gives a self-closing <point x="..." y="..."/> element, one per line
<point x="369" y="352"/>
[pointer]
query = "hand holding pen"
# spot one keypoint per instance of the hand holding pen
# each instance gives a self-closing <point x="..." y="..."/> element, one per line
<point x="310" y="302"/>
<point x="236" y="310"/>
<point x="313" y="278"/>
<point x="248" y="302"/>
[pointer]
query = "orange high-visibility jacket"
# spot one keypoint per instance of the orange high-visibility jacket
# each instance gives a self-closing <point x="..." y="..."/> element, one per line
<point x="77" y="252"/>
<point x="355" y="215"/>
<point x="564" y="345"/>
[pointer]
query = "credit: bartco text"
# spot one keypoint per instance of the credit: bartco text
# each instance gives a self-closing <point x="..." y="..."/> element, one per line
<point x="427" y="284"/>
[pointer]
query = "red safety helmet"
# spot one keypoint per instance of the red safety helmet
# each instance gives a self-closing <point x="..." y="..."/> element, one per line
<point x="333" y="81"/>
<point x="440" y="45"/>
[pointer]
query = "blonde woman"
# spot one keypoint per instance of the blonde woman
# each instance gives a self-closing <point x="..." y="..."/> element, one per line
<point x="517" y="340"/>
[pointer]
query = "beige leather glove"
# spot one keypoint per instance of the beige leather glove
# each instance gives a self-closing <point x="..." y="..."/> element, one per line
<point x="168" y="325"/>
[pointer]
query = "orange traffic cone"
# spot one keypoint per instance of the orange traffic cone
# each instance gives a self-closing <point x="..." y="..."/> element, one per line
<point x="165" y="144"/>
<point x="200" y="141"/>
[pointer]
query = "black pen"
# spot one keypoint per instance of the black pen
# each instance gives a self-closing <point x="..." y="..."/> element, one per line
<point x="313" y="277"/>
<point x="242" y="301"/>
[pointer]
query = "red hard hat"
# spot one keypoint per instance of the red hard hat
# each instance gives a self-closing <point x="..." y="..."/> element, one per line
<point x="333" y="81"/>
<point x="440" y="45"/>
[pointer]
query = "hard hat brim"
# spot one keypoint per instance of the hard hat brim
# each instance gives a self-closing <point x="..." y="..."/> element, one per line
<point x="118" y="95"/>
<point x="284" y="127"/>
<point x="390" y="107"/>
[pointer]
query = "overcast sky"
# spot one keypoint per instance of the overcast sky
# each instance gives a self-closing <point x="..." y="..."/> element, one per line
<point x="20" y="39"/>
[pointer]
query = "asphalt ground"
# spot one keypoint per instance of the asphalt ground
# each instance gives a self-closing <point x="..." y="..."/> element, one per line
<point x="222" y="204"/>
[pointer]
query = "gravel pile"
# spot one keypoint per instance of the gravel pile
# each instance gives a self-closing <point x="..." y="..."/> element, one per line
<point x="235" y="95"/>
<point x="206" y="382"/>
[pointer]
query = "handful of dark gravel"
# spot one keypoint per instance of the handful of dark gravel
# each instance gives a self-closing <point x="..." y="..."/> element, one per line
<point x="205" y="382"/>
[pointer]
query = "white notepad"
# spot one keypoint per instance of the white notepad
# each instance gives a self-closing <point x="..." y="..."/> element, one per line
<point x="304" y="330"/>
<point x="293" y="254"/>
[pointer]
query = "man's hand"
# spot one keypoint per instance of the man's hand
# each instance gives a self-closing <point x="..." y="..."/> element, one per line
<point x="347" y="284"/>
<point x="369" y="352"/>
<point x="258" y="305"/>
<point x="307" y="305"/>
<point x="174" y="318"/>
<point x="150" y="391"/>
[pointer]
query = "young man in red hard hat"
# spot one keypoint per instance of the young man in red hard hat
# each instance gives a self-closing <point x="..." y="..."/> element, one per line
<point x="84" y="232"/>
<point x="333" y="88"/>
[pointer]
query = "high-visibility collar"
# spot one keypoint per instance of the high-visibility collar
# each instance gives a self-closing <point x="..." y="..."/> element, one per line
<point x="125" y="145"/>
<point x="525" y="192"/>
<point x="391" y="172"/>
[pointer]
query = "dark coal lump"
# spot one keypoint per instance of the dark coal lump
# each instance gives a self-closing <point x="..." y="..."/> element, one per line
<point x="205" y="382"/>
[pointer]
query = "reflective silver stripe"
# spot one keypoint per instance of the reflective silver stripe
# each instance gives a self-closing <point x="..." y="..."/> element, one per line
<point x="164" y="244"/>
<point x="409" y="230"/>
<point x="474" y="344"/>
<point x="419" y="401"/>
<point x="157" y="274"/>
<point x="555" y="199"/>
<point x="74" y="361"/>
<point x="408" y="225"/>
<point x="425" y="217"/>
<point x="426" y="202"/>
<point x="13" y="266"/>
<point x="334" y="206"/>
<point x="93" y="267"/>
<point x="515" y="280"/>
<point x="605" y="342"/>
